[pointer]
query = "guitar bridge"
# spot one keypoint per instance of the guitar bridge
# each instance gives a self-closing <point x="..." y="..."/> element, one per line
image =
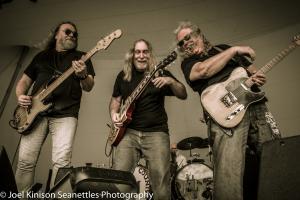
<point x="235" y="112"/>
<point x="229" y="99"/>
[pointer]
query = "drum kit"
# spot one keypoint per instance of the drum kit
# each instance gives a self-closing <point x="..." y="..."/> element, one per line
<point x="192" y="178"/>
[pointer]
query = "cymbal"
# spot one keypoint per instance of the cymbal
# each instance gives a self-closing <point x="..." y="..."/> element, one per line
<point x="192" y="142"/>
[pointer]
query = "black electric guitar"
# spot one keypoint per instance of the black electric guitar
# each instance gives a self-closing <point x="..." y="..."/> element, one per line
<point x="127" y="107"/>
<point x="24" y="118"/>
<point x="226" y="102"/>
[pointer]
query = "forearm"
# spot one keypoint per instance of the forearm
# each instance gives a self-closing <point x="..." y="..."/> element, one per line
<point x="211" y="66"/>
<point x="87" y="84"/>
<point x="23" y="85"/>
<point x="178" y="89"/>
<point x="21" y="90"/>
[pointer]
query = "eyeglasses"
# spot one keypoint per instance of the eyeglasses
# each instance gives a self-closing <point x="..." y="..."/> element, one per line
<point x="185" y="39"/>
<point x="68" y="32"/>
<point x="146" y="51"/>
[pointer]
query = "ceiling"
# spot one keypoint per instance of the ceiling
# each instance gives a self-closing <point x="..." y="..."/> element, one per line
<point x="28" y="23"/>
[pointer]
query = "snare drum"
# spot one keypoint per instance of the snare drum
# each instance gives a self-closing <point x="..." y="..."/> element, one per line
<point x="193" y="181"/>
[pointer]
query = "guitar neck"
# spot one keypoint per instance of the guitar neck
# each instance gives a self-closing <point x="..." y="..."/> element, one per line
<point x="50" y="88"/>
<point x="143" y="84"/>
<point x="137" y="91"/>
<point x="266" y="68"/>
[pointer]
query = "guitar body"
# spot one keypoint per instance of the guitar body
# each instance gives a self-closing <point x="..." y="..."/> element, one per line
<point x="117" y="133"/>
<point x="226" y="102"/>
<point x="24" y="117"/>
<point x="126" y="109"/>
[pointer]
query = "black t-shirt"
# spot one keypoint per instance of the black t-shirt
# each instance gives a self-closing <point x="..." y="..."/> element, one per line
<point x="66" y="97"/>
<point x="200" y="84"/>
<point x="149" y="112"/>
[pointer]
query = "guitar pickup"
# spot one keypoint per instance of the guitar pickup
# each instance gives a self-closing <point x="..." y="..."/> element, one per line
<point x="235" y="112"/>
<point x="229" y="99"/>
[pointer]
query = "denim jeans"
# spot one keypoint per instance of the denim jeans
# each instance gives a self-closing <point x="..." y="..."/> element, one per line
<point x="155" y="147"/>
<point x="62" y="131"/>
<point x="229" y="151"/>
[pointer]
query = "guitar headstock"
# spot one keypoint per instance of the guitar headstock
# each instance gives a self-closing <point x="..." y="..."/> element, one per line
<point x="170" y="58"/>
<point x="296" y="39"/>
<point x="105" y="42"/>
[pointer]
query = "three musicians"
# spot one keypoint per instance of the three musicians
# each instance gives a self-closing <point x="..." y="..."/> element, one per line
<point x="147" y="134"/>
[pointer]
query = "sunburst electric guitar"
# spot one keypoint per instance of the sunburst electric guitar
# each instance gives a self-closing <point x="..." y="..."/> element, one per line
<point x="24" y="118"/>
<point x="127" y="107"/>
<point x="226" y="102"/>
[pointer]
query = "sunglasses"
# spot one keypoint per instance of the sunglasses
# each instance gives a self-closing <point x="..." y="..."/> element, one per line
<point x="185" y="39"/>
<point x="68" y="32"/>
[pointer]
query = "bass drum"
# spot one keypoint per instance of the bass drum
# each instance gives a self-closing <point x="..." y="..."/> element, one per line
<point x="142" y="178"/>
<point x="193" y="181"/>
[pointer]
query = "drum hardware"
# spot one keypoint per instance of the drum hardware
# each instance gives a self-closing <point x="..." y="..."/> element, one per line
<point x="195" y="160"/>
<point x="207" y="194"/>
<point x="196" y="155"/>
<point x="192" y="187"/>
<point x="209" y="153"/>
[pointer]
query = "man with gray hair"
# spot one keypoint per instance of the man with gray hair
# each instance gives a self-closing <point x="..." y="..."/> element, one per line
<point x="205" y="65"/>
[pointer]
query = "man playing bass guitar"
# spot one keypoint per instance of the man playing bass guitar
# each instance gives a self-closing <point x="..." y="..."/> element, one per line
<point x="60" y="121"/>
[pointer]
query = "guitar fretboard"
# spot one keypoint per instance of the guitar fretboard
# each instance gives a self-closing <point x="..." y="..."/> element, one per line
<point x="143" y="84"/>
<point x="266" y="68"/>
<point x="137" y="91"/>
<point x="102" y="44"/>
<point x="65" y="75"/>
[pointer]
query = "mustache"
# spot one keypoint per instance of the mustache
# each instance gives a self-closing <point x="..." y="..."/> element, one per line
<point x="189" y="50"/>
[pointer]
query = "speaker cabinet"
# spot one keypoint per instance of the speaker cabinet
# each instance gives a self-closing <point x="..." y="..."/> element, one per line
<point x="7" y="180"/>
<point x="279" y="176"/>
<point x="62" y="186"/>
<point x="94" y="180"/>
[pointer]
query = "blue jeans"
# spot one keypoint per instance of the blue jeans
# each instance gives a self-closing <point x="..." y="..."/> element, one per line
<point x="62" y="131"/>
<point x="229" y="151"/>
<point x="155" y="147"/>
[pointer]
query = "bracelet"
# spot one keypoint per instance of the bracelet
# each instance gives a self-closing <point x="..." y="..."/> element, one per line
<point x="83" y="77"/>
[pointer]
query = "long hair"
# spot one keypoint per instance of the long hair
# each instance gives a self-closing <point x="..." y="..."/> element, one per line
<point x="52" y="41"/>
<point x="196" y="31"/>
<point x="128" y="66"/>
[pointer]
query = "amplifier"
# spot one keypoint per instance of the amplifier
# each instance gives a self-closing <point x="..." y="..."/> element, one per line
<point x="84" y="178"/>
<point x="279" y="177"/>
<point x="87" y="178"/>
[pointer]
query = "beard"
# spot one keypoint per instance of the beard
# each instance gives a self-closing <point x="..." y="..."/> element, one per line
<point x="189" y="50"/>
<point x="141" y="65"/>
<point x="68" y="44"/>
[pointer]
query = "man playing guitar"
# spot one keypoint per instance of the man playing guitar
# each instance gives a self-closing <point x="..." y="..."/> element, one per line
<point x="205" y="65"/>
<point x="60" y="121"/>
<point x="147" y="133"/>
